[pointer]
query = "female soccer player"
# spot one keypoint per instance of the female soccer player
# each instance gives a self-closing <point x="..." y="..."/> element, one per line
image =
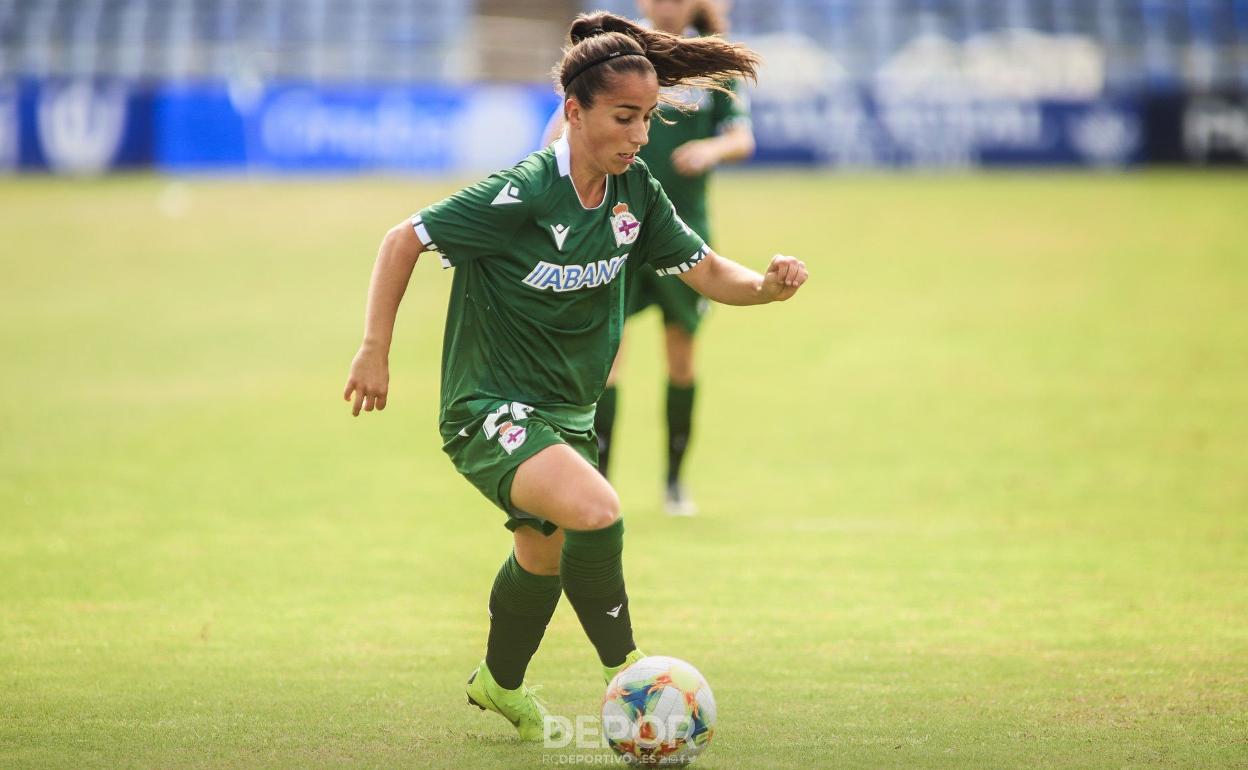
<point x="709" y="128"/>
<point x="533" y="324"/>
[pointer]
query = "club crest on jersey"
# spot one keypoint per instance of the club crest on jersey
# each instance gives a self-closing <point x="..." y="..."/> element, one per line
<point x="624" y="225"/>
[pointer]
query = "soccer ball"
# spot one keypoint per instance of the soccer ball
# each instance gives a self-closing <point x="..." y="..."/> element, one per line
<point x="658" y="711"/>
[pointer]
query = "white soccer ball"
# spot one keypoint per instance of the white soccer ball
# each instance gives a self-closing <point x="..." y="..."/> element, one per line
<point x="658" y="711"/>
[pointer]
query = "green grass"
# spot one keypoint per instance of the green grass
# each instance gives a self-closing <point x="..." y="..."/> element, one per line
<point x="978" y="497"/>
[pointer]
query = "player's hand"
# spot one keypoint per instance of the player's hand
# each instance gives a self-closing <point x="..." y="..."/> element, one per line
<point x="784" y="276"/>
<point x="368" y="381"/>
<point x="694" y="158"/>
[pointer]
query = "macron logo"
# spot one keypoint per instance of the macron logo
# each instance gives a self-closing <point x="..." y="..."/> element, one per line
<point x="560" y="232"/>
<point x="615" y="611"/>
<point x="509" y="194"/>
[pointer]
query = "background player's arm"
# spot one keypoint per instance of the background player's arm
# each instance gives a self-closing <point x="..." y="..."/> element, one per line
<point x="554" y="127"/>
<point x="369" y="379"/>
<point x="722" y="280"/>
<point x="701" y="155"/>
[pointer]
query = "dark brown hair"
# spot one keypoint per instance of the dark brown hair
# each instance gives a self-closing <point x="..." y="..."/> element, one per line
<point x="602" y="45"/>
<point x="708" y="19"/>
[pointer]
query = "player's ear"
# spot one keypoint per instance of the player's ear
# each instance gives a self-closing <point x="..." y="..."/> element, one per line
<point x="572" y="112"/>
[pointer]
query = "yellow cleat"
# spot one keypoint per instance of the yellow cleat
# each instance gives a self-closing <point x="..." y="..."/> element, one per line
<point x="520" y="706"/>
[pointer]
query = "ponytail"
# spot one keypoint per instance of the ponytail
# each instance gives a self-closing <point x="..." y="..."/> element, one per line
<point x="603" y="44"/>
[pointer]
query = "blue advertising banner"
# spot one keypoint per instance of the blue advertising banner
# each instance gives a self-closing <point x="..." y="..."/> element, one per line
<point x="78" y="126"/>
<point x="304" y="127"/>
<point x="859" y="126"/>
<point x="10" y="137"/>
<point x="93" y="126"/>
<point x="1201" y="129"/>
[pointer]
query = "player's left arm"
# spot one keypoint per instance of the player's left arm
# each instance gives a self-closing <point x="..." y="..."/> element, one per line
<point x="701" y="155"/>
<point x="733" y="138"/>
<point x="722" y="280"/>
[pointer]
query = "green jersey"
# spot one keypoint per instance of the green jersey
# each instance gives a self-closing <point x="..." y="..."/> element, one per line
<point x="712" y="112"/>
<point x="537" y="301"/>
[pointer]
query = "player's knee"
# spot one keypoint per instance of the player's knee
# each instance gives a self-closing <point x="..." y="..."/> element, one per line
<point x="681" y="375"/>
<point x="599" y="513"/>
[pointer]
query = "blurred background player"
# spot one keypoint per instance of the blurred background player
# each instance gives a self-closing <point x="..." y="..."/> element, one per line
<point x="686" y="143"/>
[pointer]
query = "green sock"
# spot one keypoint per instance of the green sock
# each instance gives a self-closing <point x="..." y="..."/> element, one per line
<point x="679" y="427"/>
<point x="604" y="423"/>
<point x="521" y="604"/>
<point x="593" y="579"/>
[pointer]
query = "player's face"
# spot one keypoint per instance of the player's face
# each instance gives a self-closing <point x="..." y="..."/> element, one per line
<point x="618" y="125"/>
<point x="672" y="16"/>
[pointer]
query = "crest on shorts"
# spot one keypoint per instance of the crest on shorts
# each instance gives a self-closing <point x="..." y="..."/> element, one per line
<point x="624" y="226"/>
<point x="499" y="423"/>
<point x="511" y="436"/>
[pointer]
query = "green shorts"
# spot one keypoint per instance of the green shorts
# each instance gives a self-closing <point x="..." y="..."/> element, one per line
<point x="681" y="305"/>
<point x="489" y="446"/>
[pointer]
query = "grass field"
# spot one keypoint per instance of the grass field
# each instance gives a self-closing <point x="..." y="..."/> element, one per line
<point x="977" y="498"/>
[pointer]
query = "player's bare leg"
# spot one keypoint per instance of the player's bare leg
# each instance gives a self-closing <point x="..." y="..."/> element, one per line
<point x="679" y="346"/>
<point x="680" y="393"/>
<point x="538" y="553"/>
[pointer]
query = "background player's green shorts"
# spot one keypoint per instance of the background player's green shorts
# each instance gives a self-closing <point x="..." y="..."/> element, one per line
<point x="680" y="304"/>
<point x="489" y="446"/>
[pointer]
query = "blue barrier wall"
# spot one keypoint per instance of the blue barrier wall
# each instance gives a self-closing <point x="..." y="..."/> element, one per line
<point x="91" y="126"/>
<point x="296" y="127"/>
<point x="859" y="126"/>
<point x="75" y="126"/>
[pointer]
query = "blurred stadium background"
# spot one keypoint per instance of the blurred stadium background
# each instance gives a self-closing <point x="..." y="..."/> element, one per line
<point x="978" y="497"/>
<point x="422" y="85"/>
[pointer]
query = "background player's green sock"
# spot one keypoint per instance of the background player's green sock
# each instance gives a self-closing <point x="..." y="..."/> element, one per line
<point x="521" y="605"/>
<point x="679" y="426"/>
<point x="604" y="423"/>
<point x="593" y="579"/>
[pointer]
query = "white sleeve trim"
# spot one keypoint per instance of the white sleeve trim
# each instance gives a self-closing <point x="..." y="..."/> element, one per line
<point x="685" y="266"/>
<point x="422" y="233"/>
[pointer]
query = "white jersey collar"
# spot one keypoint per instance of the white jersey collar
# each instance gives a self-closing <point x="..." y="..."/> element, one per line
<point x="563" y="154"/>
<point x="563" y="157"/>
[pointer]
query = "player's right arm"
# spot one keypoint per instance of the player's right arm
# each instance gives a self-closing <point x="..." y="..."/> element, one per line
<point x="369" y="379"/>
